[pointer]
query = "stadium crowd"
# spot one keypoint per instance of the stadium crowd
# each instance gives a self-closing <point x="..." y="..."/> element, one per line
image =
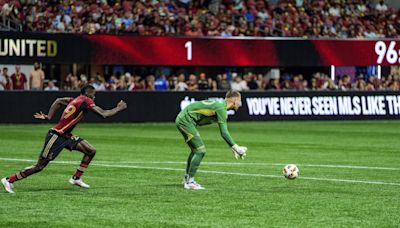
<point x="363" y="81"/>
<point x="259" y="18"/>
<point x="249" y="81"/>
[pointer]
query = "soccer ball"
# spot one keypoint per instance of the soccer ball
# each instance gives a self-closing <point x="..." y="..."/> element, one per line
<point x="290" y="171"/>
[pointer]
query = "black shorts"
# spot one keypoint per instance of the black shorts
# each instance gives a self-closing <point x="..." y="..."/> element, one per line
<point x="55" y="143"/>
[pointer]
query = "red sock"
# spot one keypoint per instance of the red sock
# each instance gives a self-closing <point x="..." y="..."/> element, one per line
<point x="80" y="170"/>
<point x="12" y="178"/>
<point x="78" y="174"/>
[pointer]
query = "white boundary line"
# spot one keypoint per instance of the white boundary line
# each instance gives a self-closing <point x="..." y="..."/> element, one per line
<point x="230" y="163"/>
<point x="212" y="172"/>
<point x="260" y="164"/>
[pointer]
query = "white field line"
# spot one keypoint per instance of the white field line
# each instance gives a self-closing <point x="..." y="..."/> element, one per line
<point x="212" y="172"/>
<point x="260" y="164"/>
<point x="236" y="163"/>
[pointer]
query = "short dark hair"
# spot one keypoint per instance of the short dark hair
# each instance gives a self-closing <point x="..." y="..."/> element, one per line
<point x="232" y="93"/>
<point x="86" y="88"/>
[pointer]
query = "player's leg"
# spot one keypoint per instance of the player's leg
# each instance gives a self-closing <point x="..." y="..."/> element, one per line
<point x="197" y="152"/>
<point x="52" y="147"/>
<point x="88" y="154"/>
<point x="191" y="154"/>
<point x="188" y="131"/>
<point x="196" y="156"/>
<point x="39" y="166"/>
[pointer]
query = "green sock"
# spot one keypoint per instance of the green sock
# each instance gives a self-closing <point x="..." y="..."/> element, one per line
<point x="195" y="162"/>
<point x="188" y="162"/>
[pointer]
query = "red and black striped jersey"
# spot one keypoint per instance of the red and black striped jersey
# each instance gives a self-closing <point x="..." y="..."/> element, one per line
<point x="74" y="113"/>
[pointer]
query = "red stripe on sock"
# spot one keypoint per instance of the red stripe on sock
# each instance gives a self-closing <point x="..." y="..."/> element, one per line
<point x="12" y="178"/>
<point x="78" y="173"/>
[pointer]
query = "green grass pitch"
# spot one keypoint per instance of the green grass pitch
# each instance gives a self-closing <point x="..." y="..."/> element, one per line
<point x="349" y="177"/>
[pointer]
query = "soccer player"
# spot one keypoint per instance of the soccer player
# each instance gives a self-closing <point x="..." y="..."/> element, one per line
<point x="60" y="136"/>
<point x="202" y="113"/>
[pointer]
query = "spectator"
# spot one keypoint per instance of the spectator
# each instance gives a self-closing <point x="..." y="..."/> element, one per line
<point x="212" y="84"/>
<point x="298" y="82"/>
<point x="395" y="86"/>
<point x="330" y="85"/>
<point x="172" y="83"/>
<point x="181" y="85"/>
<point x="184" y="3"/>
<point x="137" y="84"/>
<point x="192" y="83"/>
<point x="36" y="77"/>
<point x="286" y="84"/>
<point x="344" y="83"/>
<point x="274" y="84"/>
<point x="239" y="84"/>
<point x="3" y="82"/>
<point x="263" y="14"/>
<point x="51" y="87"/>
<point x="381" y="6"/>
<point x="150" y="83"/>
<point x="112" y="83"/>
<point x="99" y="83"/>
<point x="334" y="10"/>
<point x="18" y="79"/>
<point x="9" y="85"/>
<point x="71" y="83"/>
<point x="161" y="84"/>
<point x="83" y="81"/>
<point x="314" y="84"/>
<point x="203" y="83"/>
<point x="122" y="85"/>
<point x="127" y="20"/>
<point x="252" y="82"/>
<point x="222" y="82"/>
<point x="360" y="83"/>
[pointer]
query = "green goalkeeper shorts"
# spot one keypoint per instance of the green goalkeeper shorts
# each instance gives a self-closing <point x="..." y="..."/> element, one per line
<point x="190" y="134"/>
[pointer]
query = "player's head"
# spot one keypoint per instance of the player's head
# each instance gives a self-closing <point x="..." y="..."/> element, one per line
<point x="88" y="91"/>
<point x="234" y="98"/>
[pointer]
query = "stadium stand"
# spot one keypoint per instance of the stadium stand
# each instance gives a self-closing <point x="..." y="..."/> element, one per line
<point x="226" y="18"/>
<point x="286" y="18"/>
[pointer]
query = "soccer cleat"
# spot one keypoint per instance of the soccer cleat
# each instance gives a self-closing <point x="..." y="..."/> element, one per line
<point x="191" y="184"/>
<point x="7" y="185"/>
<point x="79" y="183"/>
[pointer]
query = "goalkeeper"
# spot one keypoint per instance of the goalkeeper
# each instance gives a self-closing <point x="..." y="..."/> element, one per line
<point x="202" y="113"/>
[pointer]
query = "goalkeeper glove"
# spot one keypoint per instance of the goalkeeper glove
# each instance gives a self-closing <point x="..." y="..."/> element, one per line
<point x="239" y="151"/>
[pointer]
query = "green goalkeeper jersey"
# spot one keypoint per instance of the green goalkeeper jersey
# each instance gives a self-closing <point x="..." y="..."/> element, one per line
<point x="207" y="112"/>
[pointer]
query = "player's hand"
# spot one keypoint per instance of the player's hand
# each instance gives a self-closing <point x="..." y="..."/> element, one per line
<point x="122" y="105"/>
<point x="40" y="115"/>
<point x="239" y="151"/>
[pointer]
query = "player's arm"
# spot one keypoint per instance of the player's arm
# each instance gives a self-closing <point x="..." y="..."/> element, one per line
<point x="223" y="129"/>
<point x="238" y="151"/>
<point x="107" y="113"/>
<point x="57" y="104"/>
